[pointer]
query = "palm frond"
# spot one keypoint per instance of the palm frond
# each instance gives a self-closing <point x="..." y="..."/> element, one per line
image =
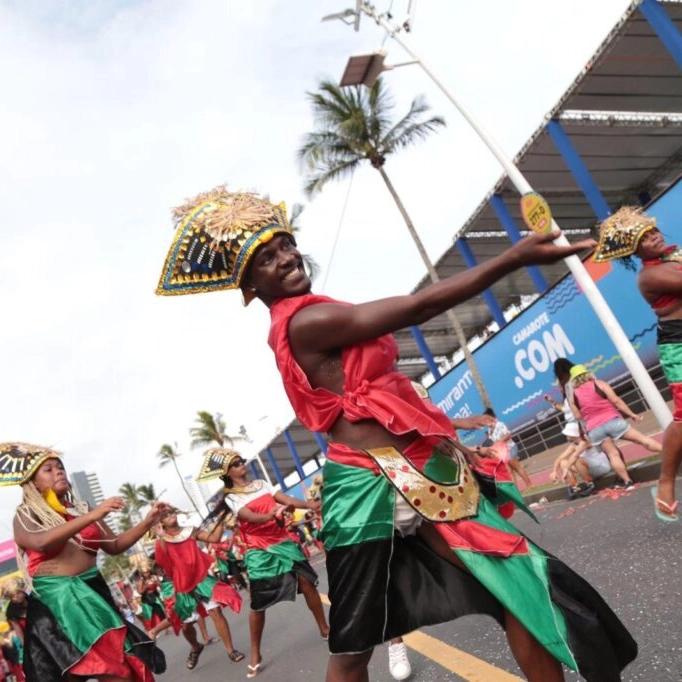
<point x="211" y="429"/>
<point x="294" y="214"/>
<point x="352" y="125"/>
<point x="167" y="454"/>
<point x="312" y="267"/>
<point x="147" y="493"/>
<point x="317" y="181"/>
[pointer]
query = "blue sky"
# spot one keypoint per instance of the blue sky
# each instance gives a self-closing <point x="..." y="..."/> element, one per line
<point x="114" y="112"/>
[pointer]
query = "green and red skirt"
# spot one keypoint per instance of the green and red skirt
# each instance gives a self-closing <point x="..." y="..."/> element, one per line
<point x="209" y="589"/>
<point x="383" y="585"/>
<point x="669" y="339"/>
<point x="74" y="627"/>
<point x="273" y="573"/>
<point x="153" y="611"/>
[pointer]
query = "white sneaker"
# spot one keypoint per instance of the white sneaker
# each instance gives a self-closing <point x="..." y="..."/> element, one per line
<point x="398" y="663"/>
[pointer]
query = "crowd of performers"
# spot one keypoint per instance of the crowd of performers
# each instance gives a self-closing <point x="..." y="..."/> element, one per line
<point x="404" y="502"/>
<point x="68" y="623"/>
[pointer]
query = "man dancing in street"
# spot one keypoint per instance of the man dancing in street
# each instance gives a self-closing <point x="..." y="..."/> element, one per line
<point x="401" y="505"/>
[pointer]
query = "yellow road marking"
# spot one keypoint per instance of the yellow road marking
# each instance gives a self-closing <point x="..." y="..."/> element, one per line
<point x="455" y="660"/>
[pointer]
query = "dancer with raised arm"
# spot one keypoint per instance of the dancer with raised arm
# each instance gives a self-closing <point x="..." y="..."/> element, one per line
<point x="400" y="505"/>
<point x="187" y="566"/>
<point x="275" y="564"/>
<point x="72" y="629"/>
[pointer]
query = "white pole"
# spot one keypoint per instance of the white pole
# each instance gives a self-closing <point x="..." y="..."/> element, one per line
<point x="594" y="296"/>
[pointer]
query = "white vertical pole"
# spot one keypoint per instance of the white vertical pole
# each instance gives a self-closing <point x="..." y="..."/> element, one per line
<point x="582" y="277"/>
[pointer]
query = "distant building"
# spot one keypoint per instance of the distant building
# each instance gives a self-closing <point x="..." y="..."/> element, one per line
<point x="87" y="488"/>
<point x="199" y="492"/>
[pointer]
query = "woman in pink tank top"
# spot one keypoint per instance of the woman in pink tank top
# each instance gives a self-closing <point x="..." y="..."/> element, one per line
<point x="602" y="411"/>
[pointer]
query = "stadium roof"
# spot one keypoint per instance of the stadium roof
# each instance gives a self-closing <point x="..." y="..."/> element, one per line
<point x="623" y="115"/>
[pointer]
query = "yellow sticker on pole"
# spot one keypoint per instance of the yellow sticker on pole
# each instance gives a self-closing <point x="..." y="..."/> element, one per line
<point x="536" y="213"/>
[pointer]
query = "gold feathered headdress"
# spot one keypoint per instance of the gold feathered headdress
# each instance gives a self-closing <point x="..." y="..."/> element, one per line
<point x="217" y="234"/>
<point x="620" y="233"/>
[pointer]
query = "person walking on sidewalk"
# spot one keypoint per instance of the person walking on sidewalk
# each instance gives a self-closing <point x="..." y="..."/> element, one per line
<point x="631" y="232"/>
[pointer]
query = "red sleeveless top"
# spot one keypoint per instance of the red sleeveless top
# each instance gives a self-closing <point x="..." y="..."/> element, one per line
<point x="90" y="538"/>
<point x="372" y="388"/>
<point x="183" y="562"/>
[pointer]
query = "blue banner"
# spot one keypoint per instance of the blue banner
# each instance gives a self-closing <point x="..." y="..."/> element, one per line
<point x="516" y="364"/>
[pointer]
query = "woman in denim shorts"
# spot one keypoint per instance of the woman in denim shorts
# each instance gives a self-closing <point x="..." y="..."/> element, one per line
<point x="602" y="412"/>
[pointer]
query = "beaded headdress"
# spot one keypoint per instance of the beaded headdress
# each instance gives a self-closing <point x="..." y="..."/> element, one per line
<point x="216" y="463"/>
<point x="19" y="461"/>
<point x="217" y="234"/>
<point x="620" y="233"/>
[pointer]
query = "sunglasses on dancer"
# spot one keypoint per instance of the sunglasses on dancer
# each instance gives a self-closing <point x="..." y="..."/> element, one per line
<point x="237" y="463"/>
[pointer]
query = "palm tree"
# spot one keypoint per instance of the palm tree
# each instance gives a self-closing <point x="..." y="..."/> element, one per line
<point x="168" y="454"/>
<point x="115" y="566"/>
<point x="134" y="502"/>
<point x="125" y="522"/>
<point x="354" y="126"/>
<point x="311" y="265"/>
<point x="211" y="430"/>
<point x="147" y="494"/>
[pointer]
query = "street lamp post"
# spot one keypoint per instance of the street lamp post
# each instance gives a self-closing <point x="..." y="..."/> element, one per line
<point x="374" y="68"/>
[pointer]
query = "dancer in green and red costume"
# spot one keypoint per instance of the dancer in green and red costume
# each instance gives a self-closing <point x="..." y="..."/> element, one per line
<point x="187" y="566"/>
<point x="15" y="615"/>
<point x="401" y="505"/>
<point x="153" y="612"/>
<point x="227" y="564"/>
<point x="275" y="564"/>
<point x="73" y="629"/>
<point x="631" y="232"/>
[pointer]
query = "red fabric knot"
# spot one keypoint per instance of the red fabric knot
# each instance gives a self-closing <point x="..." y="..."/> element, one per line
<point x="362" y="388"/>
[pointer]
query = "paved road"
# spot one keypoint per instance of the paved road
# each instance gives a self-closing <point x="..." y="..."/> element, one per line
<point x="612" y="540"/>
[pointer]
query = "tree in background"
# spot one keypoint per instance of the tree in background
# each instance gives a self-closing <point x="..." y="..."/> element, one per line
<point x="309" y="263"/>
<point x="168" y="454"/>
<point x="116" y="567"/>
<point x="211" y="429"/>
<point x="147" y="494"/>
<point x="354" y="126"/>
<point x="133" y="499"/>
